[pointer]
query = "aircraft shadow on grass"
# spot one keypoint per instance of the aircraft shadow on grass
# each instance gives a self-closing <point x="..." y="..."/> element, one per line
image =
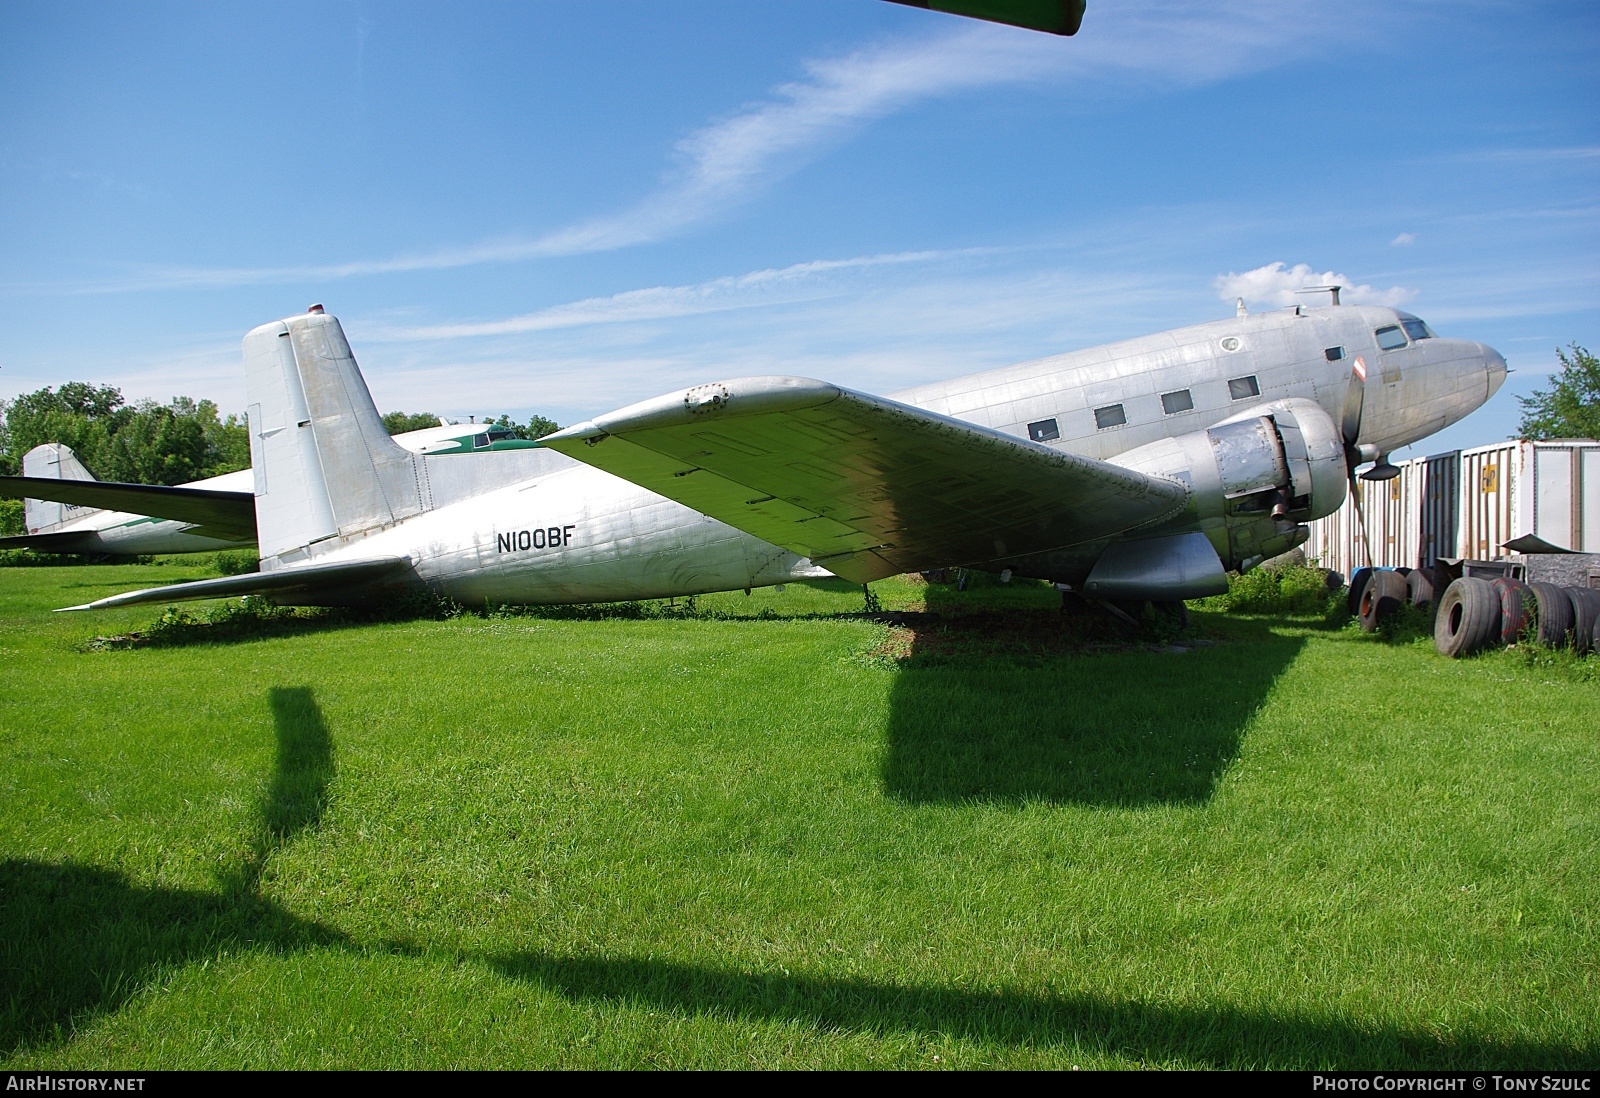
<point x="1143" y="1032"/>
<point x="79" y="942"/>
<point x="981" y="722"/>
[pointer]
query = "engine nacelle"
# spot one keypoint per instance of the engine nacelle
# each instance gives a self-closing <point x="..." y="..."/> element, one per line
<point x="1256" y="476"/>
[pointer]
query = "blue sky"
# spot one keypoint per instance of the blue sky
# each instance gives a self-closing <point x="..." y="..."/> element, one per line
<point x="565" y="207"/>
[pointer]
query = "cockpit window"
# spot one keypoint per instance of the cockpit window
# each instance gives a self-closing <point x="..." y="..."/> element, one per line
<point x="499" y="434"/>
<point x="1390" y="338"/>
<point x="480" y="441"/>
<point x="1416" y="329"/>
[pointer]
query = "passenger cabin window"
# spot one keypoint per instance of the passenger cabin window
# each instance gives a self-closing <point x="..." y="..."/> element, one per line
<point x="1390" y="338"/>
<point x="1242" y="388"/>
<point x="1416" y="329"/>
<point x="1180" y="401"/>
<point x="1333" y="354"/>
<point x="480" y="441"/>
<point x="1044" y="431"/>
<point x="1110" y="416"/>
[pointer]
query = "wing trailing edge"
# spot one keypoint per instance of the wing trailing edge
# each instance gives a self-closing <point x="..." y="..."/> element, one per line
<point x="865" y="486"/>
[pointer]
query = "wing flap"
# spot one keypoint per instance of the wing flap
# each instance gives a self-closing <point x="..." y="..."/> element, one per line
<point x="864" y="486"/>
<point x="222" y="514"/>
<point x="322" y="578"/>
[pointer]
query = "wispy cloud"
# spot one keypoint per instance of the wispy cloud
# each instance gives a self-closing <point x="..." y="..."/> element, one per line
<point x="1549" y="154"/>
<point x="1403" y="239"/>
<point x="796" y="282"/>
<point x="1130" y="49"/>
<point x="1279" y="285"/>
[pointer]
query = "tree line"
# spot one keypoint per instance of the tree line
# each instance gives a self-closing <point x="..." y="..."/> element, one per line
<point x="187" y="439"/>
<point x="150" y="443"/>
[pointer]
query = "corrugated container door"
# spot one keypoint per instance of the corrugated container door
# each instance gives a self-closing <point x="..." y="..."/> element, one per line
<point x="1553" y="485"/>
<point x="1438" y="505"/>
<point x="1488" y="482"/>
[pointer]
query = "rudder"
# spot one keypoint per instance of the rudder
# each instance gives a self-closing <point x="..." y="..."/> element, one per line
<point x="326" y="471"/>
<point x="53" y="461"/>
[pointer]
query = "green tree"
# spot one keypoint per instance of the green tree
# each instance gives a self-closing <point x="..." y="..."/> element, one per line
<point x="536" y="427"/>
<point x="1570" y="407"/>
<point x="151" y="443"/>
<point x="398" y="423"/>
<point x="82" y="416"/>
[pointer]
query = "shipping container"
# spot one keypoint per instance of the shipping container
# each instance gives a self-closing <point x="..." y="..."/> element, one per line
<point x="1467" y="503"/>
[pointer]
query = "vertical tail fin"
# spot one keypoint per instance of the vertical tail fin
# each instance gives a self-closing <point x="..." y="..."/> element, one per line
<point x="54" y="462"/>
<point x="326" y="471"/>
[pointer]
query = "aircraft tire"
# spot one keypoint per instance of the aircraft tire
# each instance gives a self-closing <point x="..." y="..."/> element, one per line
<point x="1516" y="609"/>
<point x="1385" y="593"/>
<point x="1585" y="618"/>
<point x="1419" y="588"/>
<point x="1175" y="612"/>
<point x="1555" y="614"/>
<point x="1358" y="584"/>
<point x="1469" y="617"/>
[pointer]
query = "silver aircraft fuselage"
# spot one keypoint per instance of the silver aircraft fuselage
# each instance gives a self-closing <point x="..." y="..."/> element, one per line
<point x="1408" y="393"/>
<point x="567" y="532"/>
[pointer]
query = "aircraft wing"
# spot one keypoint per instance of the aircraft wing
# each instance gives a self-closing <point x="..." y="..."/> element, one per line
<point x="324" y="578"/>
<point x="1053" y="16"/>
<point x="225" y="515"/>
<point x="864" y="486"/>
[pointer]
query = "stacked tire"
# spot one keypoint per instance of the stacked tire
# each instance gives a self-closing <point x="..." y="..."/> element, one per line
<point x="1475" y="614"/>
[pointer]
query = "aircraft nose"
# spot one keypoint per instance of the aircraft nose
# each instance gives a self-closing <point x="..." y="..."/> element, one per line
<point x="1494" y="365"/>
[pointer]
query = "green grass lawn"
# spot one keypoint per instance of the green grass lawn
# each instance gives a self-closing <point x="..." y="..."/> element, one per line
<point x="778" y="834"/>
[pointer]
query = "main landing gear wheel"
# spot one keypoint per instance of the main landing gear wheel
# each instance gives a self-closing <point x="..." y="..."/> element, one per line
<point x="1469" y="617"/>
<point x="1175" y="613"/>
<point x="1385" y="593"/>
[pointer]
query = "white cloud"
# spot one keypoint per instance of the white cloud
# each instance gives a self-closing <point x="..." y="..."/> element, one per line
<point x="1275" y="284"/>
<point x="772" y="286"/>
<point x="1128" y="48"/>
<point x="1528" y="156"/>
<point x="1401" y="240"/>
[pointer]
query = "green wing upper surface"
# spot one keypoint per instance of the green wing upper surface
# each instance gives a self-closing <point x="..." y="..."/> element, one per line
<point x="1051" y="16"/>
<point x="864" y="486"/>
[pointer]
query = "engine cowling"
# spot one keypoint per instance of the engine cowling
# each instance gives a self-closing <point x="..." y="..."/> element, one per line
<point x="1256" y="477"/>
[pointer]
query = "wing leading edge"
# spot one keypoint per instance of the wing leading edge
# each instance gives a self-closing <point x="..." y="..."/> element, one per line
<point x="865" y="486"/>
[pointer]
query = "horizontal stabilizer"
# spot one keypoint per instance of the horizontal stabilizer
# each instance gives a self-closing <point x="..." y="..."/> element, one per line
<point x="69" y="541"/>
<point x="864" y="486"/>
<point x="228" y="516"/>
<point x="312" y="578"/>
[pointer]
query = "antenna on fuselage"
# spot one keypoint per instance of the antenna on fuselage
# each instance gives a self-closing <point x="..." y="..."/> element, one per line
<point x="1240" y="310"/>
<point x="1331" y="291"/>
